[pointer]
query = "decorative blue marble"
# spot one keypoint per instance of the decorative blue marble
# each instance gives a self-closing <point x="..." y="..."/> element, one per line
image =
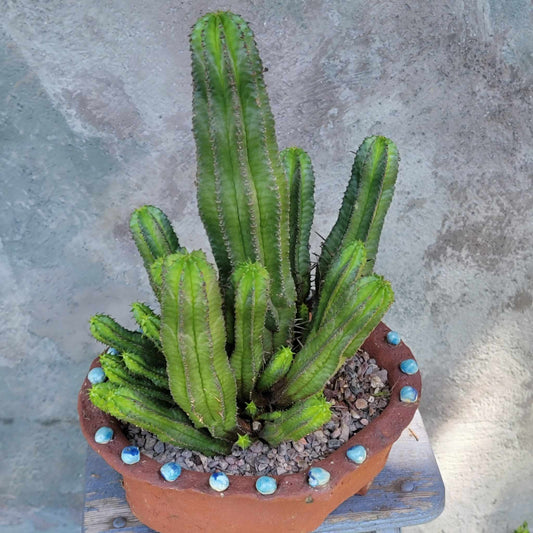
<point x="130" y="455"/>
<point x="393" y="337"/>
<point x="266" y="485"/>
<point x="112" y="351"/>
<point x="318" y="476"/>
<point x="409" y="366"/>
<point x="219" y="481"/>
<point x="103" y="435"/>
<point x="170" y="471"/>
<point x="356" y="454"/>
<point x="408" y="394"/>
<point x="96" y="375"/>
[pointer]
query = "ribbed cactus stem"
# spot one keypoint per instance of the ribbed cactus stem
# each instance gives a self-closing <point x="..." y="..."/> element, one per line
<point x="137" y="364"/>
<point x="116" y="371"/>
<point x="343" y="273"/>
<point x="149" y="322"/>
<point x="251" y="282"/>
<point x="168" y="425"/>
<point x="337" y="338"/>
<point x="154" y="237"/>
<point x="242" y="189"/>
<point x="276" y="368"/>
<point x="109" y="332"/>
<point x="299" y="171"/>
<point x="300" y="420"/>
<point x="193" y="337"/>
<point x="365" y="203"/>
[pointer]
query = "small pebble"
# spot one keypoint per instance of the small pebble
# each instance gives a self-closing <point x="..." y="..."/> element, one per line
<point x="112" y="351"/>
<point x="408" y="394"/>
<point x="219" y="481"/>
<point x="409" y="366"/>
<point x="103" y="435"/>
<point x="357" y="454"/>
<point x="96" y="375"/>
<point x="130" y="455"/>
<point x="266" y="485"/>
<point x="170" y="471"/>
<point x="393" y="337"/>
<point x="318" y="477"/>
<point x="361" y="403"/>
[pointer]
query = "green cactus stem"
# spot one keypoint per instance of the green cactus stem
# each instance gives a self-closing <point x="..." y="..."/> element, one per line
<point x="116" y="371"/>
<point x="148" y="321"/>
<point x="251" y="282"/>
<point x="193" y="338"/>
<point x="301" y="419"/>
<point x="109" y="332"/>
<point x="365" y="203"/>
<point x="299" y="171"/>
<point x="338" y="338"/>
<point x="167" y="424"/>
<point x="276" y="368"/>
<point x="343" y="273"/>
<point x="137" y="364"/>
<point x="154" y="237"/>
<point x="242" y="188"/>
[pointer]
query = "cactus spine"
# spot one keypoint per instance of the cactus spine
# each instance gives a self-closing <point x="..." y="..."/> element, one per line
<point x="299" y="171"/>
<point x="365" y="203"/>
<point x="193" y="339"/>
<point x="242" y="189"/>
<point x="251" y="282"/>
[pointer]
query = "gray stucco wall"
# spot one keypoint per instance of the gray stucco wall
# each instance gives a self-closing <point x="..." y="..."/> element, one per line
<point x="95" y="120"/>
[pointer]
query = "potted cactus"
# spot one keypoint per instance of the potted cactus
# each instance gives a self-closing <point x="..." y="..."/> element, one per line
<point x="257" y="338"/>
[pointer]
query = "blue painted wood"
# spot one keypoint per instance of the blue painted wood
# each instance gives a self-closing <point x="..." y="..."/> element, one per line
<point x="407" y="492"/>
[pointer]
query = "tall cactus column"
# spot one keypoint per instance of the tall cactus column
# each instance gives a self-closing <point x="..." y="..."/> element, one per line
<point x="242" y="188"/>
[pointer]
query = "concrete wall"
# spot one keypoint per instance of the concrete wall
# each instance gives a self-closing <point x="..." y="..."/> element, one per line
<point x="96" y="120"/>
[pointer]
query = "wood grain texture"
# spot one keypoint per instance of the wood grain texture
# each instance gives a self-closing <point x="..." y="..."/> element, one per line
<point x="407" y="492"/>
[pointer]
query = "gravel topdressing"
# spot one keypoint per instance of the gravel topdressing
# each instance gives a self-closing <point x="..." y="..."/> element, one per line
<point x="358" y="393"/>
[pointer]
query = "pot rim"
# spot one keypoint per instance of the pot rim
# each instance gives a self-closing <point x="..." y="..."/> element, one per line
<point x="380" y="433"/>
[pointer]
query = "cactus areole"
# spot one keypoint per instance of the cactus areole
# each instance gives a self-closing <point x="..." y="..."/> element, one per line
<point x="257" y="336"/>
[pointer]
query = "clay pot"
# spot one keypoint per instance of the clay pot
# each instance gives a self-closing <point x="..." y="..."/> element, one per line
<point x="189" y="504"/>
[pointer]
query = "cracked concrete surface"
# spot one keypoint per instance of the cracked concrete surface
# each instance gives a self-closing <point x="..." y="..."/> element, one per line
<point x="95" y="110"/>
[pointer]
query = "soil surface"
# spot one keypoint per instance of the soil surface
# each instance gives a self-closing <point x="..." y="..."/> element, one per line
<point x="358" y="393"/>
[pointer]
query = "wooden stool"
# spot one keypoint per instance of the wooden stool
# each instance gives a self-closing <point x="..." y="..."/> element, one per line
<point x="407" y="492"/>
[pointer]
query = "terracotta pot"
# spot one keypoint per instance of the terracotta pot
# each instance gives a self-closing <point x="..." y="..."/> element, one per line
<point x="189" y="504"/>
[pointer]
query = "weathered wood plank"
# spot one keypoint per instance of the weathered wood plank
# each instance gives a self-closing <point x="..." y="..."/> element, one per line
<point x="408" y="491"/>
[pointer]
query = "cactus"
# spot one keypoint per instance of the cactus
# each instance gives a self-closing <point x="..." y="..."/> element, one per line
<point x="253" y="342"/>
<point x="193" y="339"/>
<point x="299" y="171"/>
<point x="365" y="203"/>
<point x="154" y="237"/>
<point x="277" y="368"/>
<point x="242" y="189"/>
<point x="251" y="282"/>
<point x="300" y="420"/>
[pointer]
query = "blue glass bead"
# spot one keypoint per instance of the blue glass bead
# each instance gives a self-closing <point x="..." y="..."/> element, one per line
<point x="96" y="375"/>
<point x="356" y="454"/>
<point x="393" y="337"/>
<point x="408" y="394"/>
<point x="103" y="435"/>
<point x="409" y="366"/>
<point x="130" y="455"/>
<point x="318" y="477"/>
<point x="266" y="485"/>
<point x="112" y="351"/>
<point x="170" y="471"/>
<point x="219" y="481"/>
